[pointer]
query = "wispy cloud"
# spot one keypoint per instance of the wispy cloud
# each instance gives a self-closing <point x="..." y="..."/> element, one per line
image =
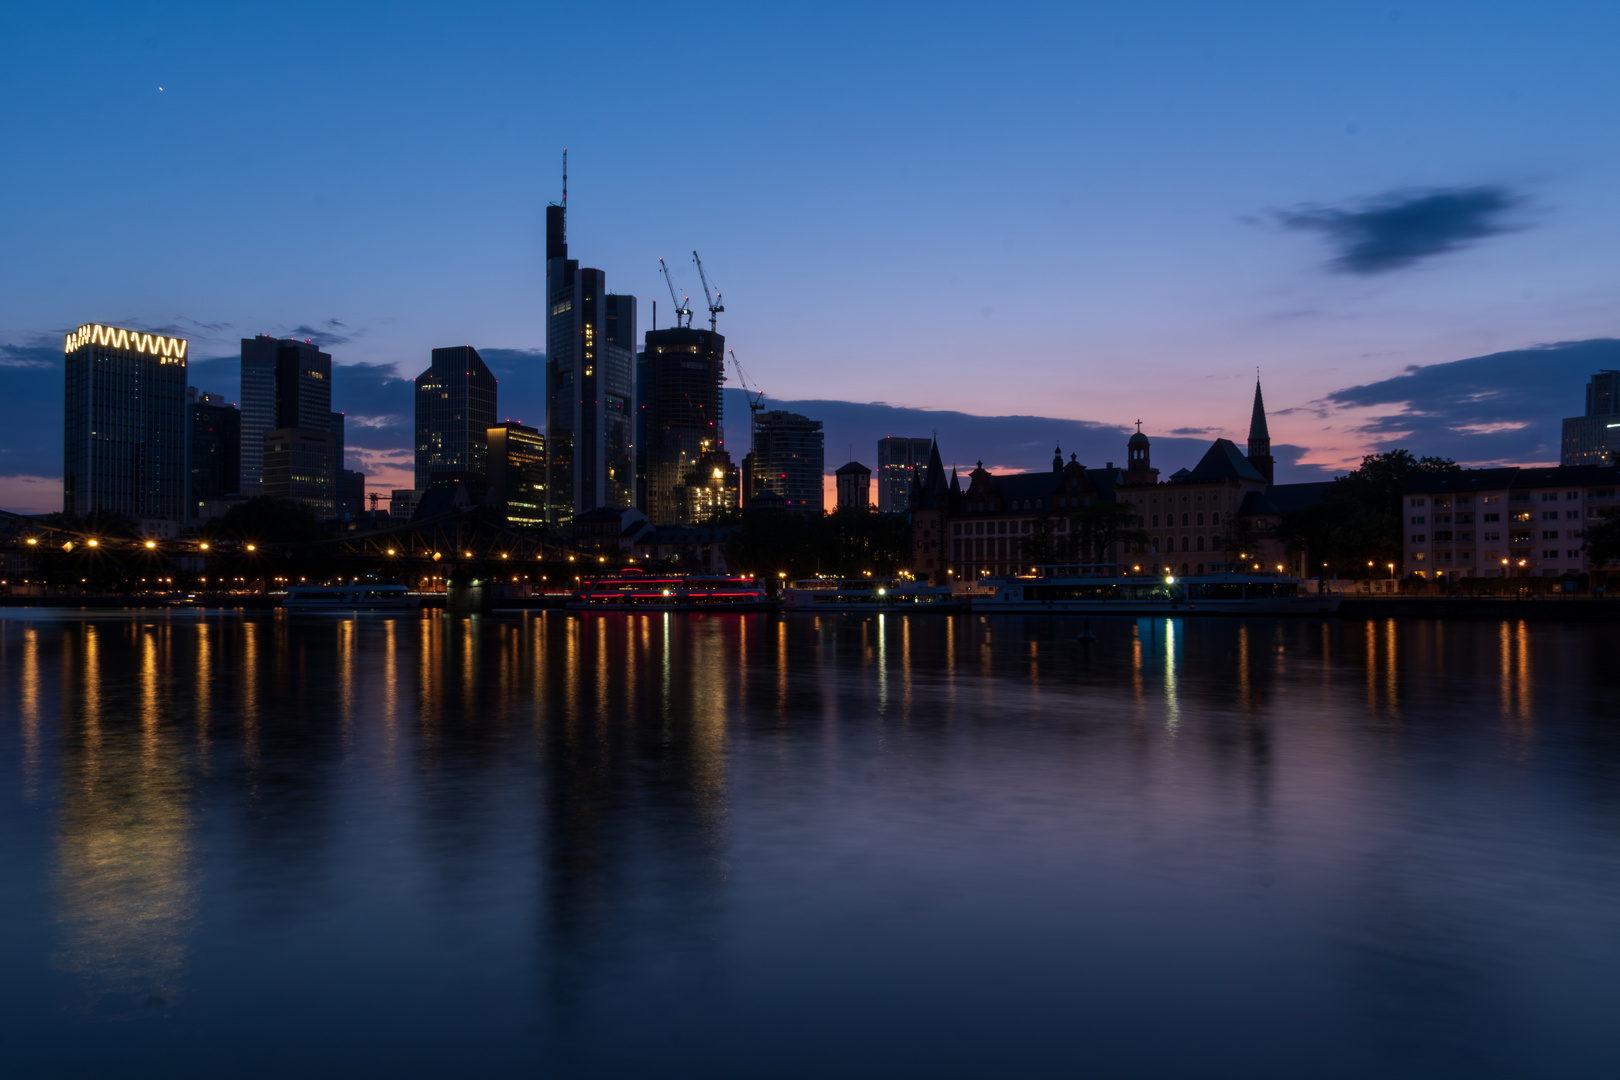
<point x="1402" y="228"/>
<point x="326" y="333"/>
<point x="38" y="355"/>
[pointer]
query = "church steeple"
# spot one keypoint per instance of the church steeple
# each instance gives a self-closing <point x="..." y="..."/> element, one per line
<point x="1259" y="437"/>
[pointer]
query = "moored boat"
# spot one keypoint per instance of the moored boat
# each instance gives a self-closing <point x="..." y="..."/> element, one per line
<point x="1095" y="591"/>
<point x="870" y="594"/>
<point x="634" y="591"/>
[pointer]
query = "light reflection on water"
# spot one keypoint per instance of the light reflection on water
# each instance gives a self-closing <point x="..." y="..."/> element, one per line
<point x="789" y="846"/>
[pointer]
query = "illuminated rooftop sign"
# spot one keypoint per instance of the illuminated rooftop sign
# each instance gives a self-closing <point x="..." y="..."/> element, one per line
<point x="169" y="350"/>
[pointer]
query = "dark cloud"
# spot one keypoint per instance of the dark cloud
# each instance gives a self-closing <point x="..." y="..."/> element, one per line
<point x="1021" y="443"/>
<point x="1194" y="431"/>
<point x="38" y="356"/>
<point x="1400" y="228"/>
<point x="1505" y="407"/>
<point x="328" y="333"/>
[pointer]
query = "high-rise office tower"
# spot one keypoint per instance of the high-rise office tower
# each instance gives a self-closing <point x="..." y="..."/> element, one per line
<point x="455" y="408"/>
<point x="216" y="449"/>
<point x="285" y="384"/>
<point x="124" y="429"/>
<point x="898" y="461"/>
<point x="788" y="458"/>
<point x="681" y="373"/>
<point x="1591" y="439"/>
<point x="590" y="384"/>
<point x="517" y="473"/>
<point x="298" y="466"/>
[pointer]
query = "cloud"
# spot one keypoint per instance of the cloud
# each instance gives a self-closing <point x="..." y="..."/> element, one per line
<point x="1020" y="443"/>
<point x="39" y="356"/>
<point x="1505" y="407"/>
<point x="21" y="493"/>
<point x="1195" y="431"/>
<point x="328" y="333"/>
<point x="1401" y="228"/>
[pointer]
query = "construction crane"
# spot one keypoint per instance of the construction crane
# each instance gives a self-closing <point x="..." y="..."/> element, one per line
<point x="715" y="306"/>
<point x="680" y="306"/>
<point x="755" y="398"/>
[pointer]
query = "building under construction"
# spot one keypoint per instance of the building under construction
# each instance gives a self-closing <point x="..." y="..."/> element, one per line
<point x="687" y="474"/>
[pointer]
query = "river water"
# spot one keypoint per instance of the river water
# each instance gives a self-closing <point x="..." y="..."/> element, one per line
<point x="272" y="844"/>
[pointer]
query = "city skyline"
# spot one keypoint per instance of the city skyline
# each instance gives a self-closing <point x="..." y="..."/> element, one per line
<point x="1174" y="226"/>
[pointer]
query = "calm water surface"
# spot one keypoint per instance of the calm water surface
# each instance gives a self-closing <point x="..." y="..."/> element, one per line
<point x="270" y="845"/>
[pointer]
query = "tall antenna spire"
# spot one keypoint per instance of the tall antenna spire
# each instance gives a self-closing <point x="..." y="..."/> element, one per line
<point x="565" y="184"/>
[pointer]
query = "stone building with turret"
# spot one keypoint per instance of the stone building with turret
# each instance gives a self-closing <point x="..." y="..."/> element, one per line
<point x="1222" y="514"/>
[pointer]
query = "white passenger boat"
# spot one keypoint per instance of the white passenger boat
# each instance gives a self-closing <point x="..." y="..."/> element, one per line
<point x="348" y="597"/>
<point x="869" y="594"/>
<point x="1093" y="591"/>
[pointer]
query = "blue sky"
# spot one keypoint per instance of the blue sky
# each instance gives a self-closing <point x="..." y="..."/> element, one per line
<point x="1083" y="212"/>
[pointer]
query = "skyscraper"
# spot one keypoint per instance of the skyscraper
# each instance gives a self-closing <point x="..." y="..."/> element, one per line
<point x="590" y="384"/>
<point x="788" y="458"/>
<point x="285" y="384"/>
<point x="898" y="461"/>
<point x="455" y="408"/>
<point x="298" y="466"/>
<point x="124" y="424"/>
<point x="1591" y="439"/>
<point x="681" y="370"/>
<point x="517" y="473"/>
<point x="216" y="447"/>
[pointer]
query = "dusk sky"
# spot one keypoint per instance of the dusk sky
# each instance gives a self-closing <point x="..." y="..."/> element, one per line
<point x="1081" y="215"/>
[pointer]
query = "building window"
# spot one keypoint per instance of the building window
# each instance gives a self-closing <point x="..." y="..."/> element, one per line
<point x="1549" y="496"/>
<point x="1549" y="515"/>
<point x="1493" y="517"/>
<point x="1184" y="522"/>
<point x="1573" y="554"/>
<point x="1491" y="499"/>
<point x="1550" y="534"/>
<point x="1572" y="495"/>
<point x="1200" y="543"/>
<point x="1200" y="521"/>
<point x="1419" y="538"/>
<point x="1572" y="515"/>
<point x="1183" y="543"/>
<point x="1418" y="556"/>
<point x="1155" y="521"/>
<point x="1417" y="502"/>
<point x="1552" y="555"/>
<point x="1418" y="520"/>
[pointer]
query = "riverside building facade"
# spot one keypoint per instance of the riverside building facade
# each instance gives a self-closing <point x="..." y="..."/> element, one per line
<point x="898" y="460"/>
<point x="285" y="384"/>
<point x="788" y="458"/>
<point x="1504" y="522"/>
<point x="125" y="424"/>
<point x="688" y="476"/>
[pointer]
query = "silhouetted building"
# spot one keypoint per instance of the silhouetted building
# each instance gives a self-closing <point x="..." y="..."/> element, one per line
<point x="351" y="493"/>
<point x="298" y="466"/>
<point x="1260" y="438"/>
<point x="285" y="384"/>
<point x="125" y="424"/>
<point x="788" y="458"/>
<point x="215" y="451"/>
<point x="898" y="460"/>
<point x="590" y="385"/>
<point x="517" y="472"/>
<point x="1591" y="439"/>
<point x="854" y="483"/>
<point x="455" y="408"/>
<point x="708" y="491"/>
<point x="403" y="503"/>
<point x="681" y="372"/>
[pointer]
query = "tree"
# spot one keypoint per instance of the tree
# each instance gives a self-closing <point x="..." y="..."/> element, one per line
<point x="1042" y="546"/>
<point x="1601" y="540"/>
<point x="1102" y="524"/>
<point x="1358" y="520"/>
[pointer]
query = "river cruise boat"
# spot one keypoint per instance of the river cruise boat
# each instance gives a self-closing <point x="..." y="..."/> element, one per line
<point x="1092" y="590"/>
<point x="870" y="594"/>
<point x="633" y="591"/>
<point x="348" y="597"/>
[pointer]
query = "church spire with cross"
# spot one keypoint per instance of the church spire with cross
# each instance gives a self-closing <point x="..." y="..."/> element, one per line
<point x="1260" y="437"/>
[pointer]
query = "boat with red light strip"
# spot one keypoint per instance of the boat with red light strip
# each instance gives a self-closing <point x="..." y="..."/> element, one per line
<point x="635" y="591"/>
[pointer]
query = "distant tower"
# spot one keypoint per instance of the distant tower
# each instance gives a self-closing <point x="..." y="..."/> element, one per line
<point x="1260" y="438"/>
<point x="455" y="408"/>
<point x="1139" y="460"/>
<point x="854" y="487"/>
